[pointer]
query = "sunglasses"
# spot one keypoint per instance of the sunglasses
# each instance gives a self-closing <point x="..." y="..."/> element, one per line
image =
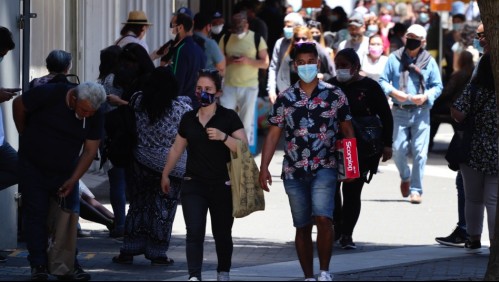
<point x="304" y="44"/>
<point x="208" y="71"/>
<point x="301" y="39"/>
<point x="314" y="24"/>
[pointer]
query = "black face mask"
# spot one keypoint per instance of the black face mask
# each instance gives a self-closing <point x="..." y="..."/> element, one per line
<point x="412" y="44"/>
<point x="317" y="38"/>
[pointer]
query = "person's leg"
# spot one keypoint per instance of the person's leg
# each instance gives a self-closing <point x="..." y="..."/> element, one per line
<point x="195" y="208"/>
<point x="474" y="210"/>
<point x="117" y="188"/>
<point x="305" y="249"/>
<point x="229" y="98"/>
<point x="400" y="147"/>
<point x="300" y="201"/>
<point x="220" y="205"/>
<point x="8" y="166"/>
<point x="88" y="212"/>
<point x="35" y="212"/>
<point x="338" y="212"/>
<point x="461" y="201"/>
<point x="351" y="205"/>
<point x="323" y="187"/>
<point x="420" y="138"/>
<point x="490" y="200"/>
<point x="247" y="102"/>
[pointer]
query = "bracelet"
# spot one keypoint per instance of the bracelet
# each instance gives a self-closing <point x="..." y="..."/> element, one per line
<point x="225" y="138"/>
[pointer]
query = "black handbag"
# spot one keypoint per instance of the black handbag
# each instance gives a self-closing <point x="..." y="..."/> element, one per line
<point x="368" y="132"/>
<point x="460" y="144"/>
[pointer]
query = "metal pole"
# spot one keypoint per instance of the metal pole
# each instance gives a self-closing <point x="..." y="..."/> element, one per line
<point x="440" y="42"/>
<point x="26" y="22"/>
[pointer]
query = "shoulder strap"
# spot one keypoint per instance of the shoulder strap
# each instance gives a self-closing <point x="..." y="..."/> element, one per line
<point x="226" y="39"/>
<point x="123" y="37"/>
<point x="257" y="42"/>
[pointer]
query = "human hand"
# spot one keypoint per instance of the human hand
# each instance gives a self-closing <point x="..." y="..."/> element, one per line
<point x="419" y="99"/>
<point x="8" y="93"/>
<point x="387" y="154"/>
<point x="272" y="97"/>
<point x="239" y="59"/>
<point x="115" y="100"/>
<point x="165" y="184"/>
<point x="215" y="134"/>
<point x="320" y="76"/>
<point x="265" y="179"/>
<point x="66" y="188"/>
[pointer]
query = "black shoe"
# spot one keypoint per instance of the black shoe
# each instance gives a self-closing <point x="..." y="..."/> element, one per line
<point x="347" y="243"/>
<point x="3" y="259"/>
<point x="78" y="275"/>
<point x="472" y="246"/>
<point x="123" y="259"/>
<point x="456" y="239"/>
<point x="39" y="273"/>
<point x="162" y="261"/>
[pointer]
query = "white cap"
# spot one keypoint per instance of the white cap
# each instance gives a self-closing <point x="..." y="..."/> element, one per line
<point x="417" y="30"/>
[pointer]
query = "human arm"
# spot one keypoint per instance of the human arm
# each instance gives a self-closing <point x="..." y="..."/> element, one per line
<point x="8" y="93"/>
<point x="433" y="85"/>
<point x="230" y="140"/>
<point x="269" y="146"/>
<point x="89" y="152"/>
<point x="19" y="112"/>
<point x="388" y="79"/>
<point x="273" y="67"/>
<point x="174" y="155"/>
<point x="262" y="62"/>
<point x="115" y="100"/>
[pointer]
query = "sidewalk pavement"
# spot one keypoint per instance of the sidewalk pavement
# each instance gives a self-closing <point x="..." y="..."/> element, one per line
<point x="395" y="240"/>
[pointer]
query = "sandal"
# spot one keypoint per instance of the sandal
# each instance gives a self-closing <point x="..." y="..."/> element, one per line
<point x="162" y="261"/>
<point x="123" y="259"/>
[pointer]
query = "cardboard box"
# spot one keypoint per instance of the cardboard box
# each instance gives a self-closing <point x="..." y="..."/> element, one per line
<point x="347" y="157"/>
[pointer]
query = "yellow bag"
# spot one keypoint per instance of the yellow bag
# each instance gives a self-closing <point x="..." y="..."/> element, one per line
<point x="62" y="229"/>
<point x="247" y="194"/>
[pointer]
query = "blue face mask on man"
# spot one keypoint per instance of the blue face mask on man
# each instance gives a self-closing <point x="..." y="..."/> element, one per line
<point x="308" y="72"/>
<point x="476" y="44"/>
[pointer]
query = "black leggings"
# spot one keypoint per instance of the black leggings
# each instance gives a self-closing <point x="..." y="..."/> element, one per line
<point x="346" y="214"/>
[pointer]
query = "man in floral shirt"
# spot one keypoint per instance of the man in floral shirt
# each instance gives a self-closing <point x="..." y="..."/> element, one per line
<point x="312" y="113"/>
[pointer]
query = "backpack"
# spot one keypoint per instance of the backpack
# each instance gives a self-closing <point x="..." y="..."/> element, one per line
<point x="121" y="134"/>
<point x="257" y="39"/>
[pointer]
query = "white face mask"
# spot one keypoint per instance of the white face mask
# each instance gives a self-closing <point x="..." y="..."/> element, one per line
<point x="172" y="32"/>
<point x="343" y="75"/>
<point x="216" y="29"/>
<point x="242" y="35"/>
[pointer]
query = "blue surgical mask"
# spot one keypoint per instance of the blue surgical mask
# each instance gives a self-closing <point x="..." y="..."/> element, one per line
<point x="424" y="17"/>
<point x="343" y="75"/>
<point x="457" y="26"/>
<point x="205" y="98"/>
<point x="288" y="32"/>
<point x="307" y="73"/>
<point x="476" y="44"/>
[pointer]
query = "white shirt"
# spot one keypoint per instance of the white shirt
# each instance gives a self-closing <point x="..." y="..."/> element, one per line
<point x="373" y="69"/>
<point x="362" y="49"/>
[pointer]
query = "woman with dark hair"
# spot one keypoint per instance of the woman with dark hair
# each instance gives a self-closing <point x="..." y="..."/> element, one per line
<point x="135" y="66"/>
<point x="318" y="35"/>
<point x="366" y="100"/>
<point x="339" y="27"/>
<point x="477" y="105"/>
<point x="209" y="134"/>
<point x="150" y="216"/>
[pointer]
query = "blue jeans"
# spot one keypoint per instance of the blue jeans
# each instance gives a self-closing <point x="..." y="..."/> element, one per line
<point x="312" y="196"/>
<point x="8" y="166"/>
<point x="461" y="200"/>
<point x="37" y="187"/>
<point x="411" y="134"/>
<point x="117" y="188"/>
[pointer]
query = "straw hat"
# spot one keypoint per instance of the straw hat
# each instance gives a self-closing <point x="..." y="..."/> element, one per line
<point x="137" y="17"/>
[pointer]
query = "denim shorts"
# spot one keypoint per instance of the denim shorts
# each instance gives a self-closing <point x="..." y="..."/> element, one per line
<point x="311" y="196"/>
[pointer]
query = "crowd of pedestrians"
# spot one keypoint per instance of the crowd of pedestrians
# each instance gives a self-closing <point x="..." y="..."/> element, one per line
<point x="193" y="100"/>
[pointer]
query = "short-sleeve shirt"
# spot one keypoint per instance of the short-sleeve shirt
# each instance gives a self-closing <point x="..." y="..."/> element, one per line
<point x="207" y="159"/>
<point x="213" y="53"/>
<point x="53" y="136"/>
<point x="311" y="125"/>
<point x="241" y="75"/>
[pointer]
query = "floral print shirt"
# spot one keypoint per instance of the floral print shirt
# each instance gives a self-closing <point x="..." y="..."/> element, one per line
<point x="311" y="125"/>
<point x="480" y="104"/>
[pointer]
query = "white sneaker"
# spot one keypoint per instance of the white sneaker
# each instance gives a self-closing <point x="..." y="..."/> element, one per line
<point x="310" y="279"/>
<point x="193" y="278"/>
<point x="223" y="276"/>
<point x="325" y="276"/>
